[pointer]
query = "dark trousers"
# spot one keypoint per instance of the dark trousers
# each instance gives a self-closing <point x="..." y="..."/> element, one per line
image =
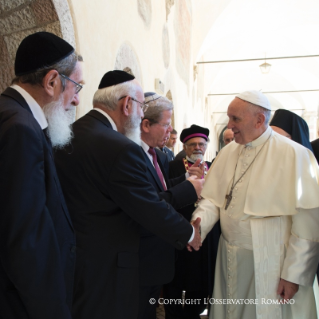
<point x="194" y="303"/>
<point x="148" y="297"/>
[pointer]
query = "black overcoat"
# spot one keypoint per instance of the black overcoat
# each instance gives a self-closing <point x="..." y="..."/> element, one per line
<point x="103" y="177"/>
<point x="37" y="241"/>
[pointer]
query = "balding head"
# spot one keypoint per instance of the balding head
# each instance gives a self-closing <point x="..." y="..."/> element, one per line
<point x="228" y="136"/>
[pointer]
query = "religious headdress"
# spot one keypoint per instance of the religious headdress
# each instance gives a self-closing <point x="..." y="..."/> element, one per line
<point x="294" y="125"/>
<point x="39" y="50"/>
<point x="115" y="77"/>
<point x="194" y="131"/>
<point x="151" y="96"/>
<point x="255" y="97"/>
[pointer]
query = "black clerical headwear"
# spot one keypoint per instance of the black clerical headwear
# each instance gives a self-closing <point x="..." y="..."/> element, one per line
<point x="294" y="125"/>
<point x="115" y="77"/>
<point x="194" y="131"/>
<point x="39" y="50"/>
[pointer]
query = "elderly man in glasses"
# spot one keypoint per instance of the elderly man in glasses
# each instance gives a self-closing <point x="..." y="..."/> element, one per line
<point x="157" y="257"/>
<point x="193" y="271"/>
<point x="104" y="179"/>
<point x="37" y="249"/>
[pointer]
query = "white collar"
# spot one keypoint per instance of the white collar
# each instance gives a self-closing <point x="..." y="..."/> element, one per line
<point x="261" y="139"/>
<point x="114" y="127"/>
<point x="189" y="159"/>
<point x="35" y="108"/>
<point x="145" y="147"/>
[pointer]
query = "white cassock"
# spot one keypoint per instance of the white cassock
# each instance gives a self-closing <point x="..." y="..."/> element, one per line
<point x="269" y="231"/>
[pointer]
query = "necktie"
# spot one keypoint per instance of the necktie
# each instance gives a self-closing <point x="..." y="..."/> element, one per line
<point x="157" y="168"/>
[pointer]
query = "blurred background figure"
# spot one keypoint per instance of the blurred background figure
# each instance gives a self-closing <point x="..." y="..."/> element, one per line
<point x="228" y="136"/>
<point x="292" y="126"/>
<point x="172" y="140"/>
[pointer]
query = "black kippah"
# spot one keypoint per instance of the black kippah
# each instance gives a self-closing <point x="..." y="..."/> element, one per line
<point x="115" y="77"/>
<point x="39" y="50"/>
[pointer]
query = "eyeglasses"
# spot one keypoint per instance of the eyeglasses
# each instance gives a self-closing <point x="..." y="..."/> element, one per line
<point x="193" y="145"/>
<point x="144" y="106"/>
<point x="78" y="86"/>
<point x="166" y="126"/>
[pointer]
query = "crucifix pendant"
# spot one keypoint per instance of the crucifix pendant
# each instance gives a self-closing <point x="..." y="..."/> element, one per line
<point x="229" y="198"/>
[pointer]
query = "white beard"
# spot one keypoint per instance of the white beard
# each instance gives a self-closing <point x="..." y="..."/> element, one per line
<point x="195" y="157"/>
<point x="132" y="128"/>
<point x="59" y="122"/>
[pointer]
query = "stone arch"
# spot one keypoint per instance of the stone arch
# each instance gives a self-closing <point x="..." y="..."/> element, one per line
<point x="19" y="18"/>
<point x="126" y="59"/>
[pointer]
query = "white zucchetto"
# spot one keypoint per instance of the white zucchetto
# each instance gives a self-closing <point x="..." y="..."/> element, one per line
<point x="255" y="97"/>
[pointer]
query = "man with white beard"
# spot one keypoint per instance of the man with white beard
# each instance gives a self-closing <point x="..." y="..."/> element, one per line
<point x="37" y="246"/>
<point x="103" y="176"/>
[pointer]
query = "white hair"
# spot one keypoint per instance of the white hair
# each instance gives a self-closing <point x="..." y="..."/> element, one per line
<point x="109" y="96"/>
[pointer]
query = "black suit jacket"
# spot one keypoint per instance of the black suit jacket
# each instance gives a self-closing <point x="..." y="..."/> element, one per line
<point x="37" y="242"/>
<point x="157" y="257"/>
<point x="168" y="153"/>
<point x="103" y="176"/>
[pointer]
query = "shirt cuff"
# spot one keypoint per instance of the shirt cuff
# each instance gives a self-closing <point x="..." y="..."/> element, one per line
<point x="193" y="234"/>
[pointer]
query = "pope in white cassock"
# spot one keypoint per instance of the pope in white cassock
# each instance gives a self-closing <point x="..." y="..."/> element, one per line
<point x="264" y="189"/>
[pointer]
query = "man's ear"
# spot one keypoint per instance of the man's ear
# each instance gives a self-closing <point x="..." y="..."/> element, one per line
<point x="51" y="82"/>
<point x="261" y="118"/>
<point x="184" y="147"/>
<point x="125" y="106"/>
<point x="145" y="125"/>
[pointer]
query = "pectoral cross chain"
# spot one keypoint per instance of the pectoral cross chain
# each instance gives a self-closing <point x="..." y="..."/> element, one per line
<point x="229" y="197"/>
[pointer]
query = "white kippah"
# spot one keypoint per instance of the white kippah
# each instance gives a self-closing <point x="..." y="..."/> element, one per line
<point x="255" y="97"/>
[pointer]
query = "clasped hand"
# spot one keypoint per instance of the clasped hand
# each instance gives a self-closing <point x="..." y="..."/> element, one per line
<point x="196" y="243"/>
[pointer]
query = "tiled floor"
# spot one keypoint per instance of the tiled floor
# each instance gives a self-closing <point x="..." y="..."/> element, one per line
<point x="160" y="313"/>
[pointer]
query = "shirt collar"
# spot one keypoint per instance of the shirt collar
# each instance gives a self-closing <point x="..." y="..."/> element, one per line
<point x="261" y="139"/>
<point x="145" y="147"/>
<point x="114" y="127"/>
<point x="35" y="108"/>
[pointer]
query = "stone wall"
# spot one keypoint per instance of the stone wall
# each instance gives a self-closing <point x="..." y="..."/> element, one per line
<point x="19" y="18"/>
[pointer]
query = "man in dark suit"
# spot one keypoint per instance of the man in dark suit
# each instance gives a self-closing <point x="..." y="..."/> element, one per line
<point x="194" y="273"/>
<point x="157" y="257"/>
<point x="37" y="246"/>
<point x="103" y="176"/>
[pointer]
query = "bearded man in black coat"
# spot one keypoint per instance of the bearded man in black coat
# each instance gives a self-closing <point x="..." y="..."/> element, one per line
<point x="37" y="246"/>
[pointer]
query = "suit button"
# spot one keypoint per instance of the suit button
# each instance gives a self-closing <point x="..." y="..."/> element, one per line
<point x="73" y="249"/>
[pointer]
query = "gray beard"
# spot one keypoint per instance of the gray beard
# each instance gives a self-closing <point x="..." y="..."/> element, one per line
<point x="132" y="128"/>
<point x="59" y="123"/>
<point x="195" y="157"/>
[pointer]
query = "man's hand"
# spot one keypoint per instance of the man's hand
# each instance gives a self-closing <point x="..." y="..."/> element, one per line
<point x="197" y="183"/>
<point x="197" y="240"/>
<point x="287" y="289"/>
<point x="197" y="169"/>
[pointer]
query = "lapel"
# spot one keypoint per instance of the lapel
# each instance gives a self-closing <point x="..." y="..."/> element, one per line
<point x="9" y="92"/>
<point x="161" y="158"/>
<point x="151" y="168"/>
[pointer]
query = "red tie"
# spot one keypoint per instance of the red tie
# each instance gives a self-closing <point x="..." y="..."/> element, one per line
<point x="157" y="168"/>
